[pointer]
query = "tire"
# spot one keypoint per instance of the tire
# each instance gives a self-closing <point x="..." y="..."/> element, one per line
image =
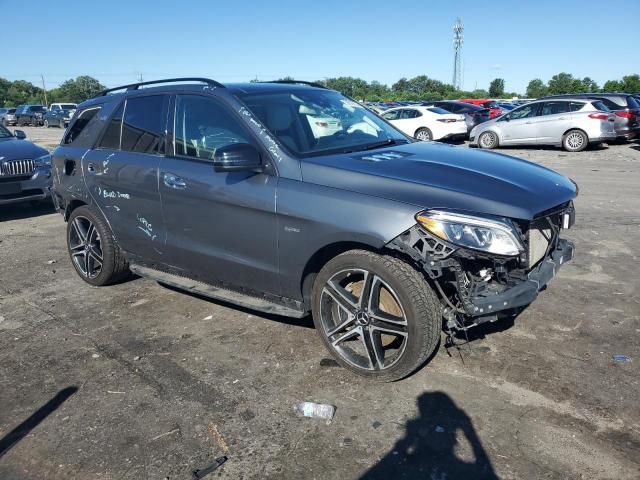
<point x="46" y="124"/>
<point x="488" y="140"/>
<point x="575" y="141"/>
<point x="99" y="247"/>
<point x="423" y="134"/>
<point x="410" y="311"/>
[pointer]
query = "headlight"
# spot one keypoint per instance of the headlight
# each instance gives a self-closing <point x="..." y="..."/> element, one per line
<point x="491" y="236"/>
<point x="43" y="161"/>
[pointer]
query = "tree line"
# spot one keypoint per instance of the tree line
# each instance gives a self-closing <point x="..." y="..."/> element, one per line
<point x="417" y="88"/>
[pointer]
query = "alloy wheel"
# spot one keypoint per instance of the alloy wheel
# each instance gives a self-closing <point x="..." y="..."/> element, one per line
<point x="363" y="319"/>
<point x="85" y="247"/>
<point x="575" y="140"/>
<point x="487" y="140"/>
<point x="423" y="135"/>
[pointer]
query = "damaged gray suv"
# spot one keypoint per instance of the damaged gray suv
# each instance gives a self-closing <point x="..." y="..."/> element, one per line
<point x="290" y="198"/>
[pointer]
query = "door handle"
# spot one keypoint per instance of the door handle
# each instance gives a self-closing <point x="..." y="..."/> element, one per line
<point x="91" y="168"/>
<point x="173" y="181"/>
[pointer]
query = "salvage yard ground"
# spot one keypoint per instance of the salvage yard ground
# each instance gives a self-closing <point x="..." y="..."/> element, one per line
<point x="140" y="381"/>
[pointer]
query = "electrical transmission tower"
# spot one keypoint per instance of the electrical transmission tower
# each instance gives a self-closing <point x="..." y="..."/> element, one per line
<point x="458" y="28"/>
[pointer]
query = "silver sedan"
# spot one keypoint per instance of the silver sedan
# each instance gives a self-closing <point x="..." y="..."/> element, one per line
<point x="572" y="123"/>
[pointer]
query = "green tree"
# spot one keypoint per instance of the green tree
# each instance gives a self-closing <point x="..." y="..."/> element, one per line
<point x="77" y="90"/>
<point x="612" y="86"/>
<point x="536" y="88"/>
<point x="589" y="85"/>
<point x="562" y="83"/>
<point x="631" y="83"/>
<point x="496" y="88"/>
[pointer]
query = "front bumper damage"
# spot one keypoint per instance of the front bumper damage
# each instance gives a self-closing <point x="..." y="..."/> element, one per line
<point x="477" y="287"/>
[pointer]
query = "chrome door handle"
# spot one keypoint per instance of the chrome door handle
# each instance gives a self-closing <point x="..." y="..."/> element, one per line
<point x="173" y="181"/>
<point x="91" y="168"/>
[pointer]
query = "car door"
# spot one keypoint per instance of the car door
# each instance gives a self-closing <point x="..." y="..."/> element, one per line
<point x="221" y="226"/>
<point x="407" y="121"/>
<point x="519" y="126"/>
<point x="122" y="174"/>
<point x="554" y="119"/>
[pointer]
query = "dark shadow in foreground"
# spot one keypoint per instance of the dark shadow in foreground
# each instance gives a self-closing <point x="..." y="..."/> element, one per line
<point x="23" y="210"/>
<point x="431" y="448"/>
<point x="14" y="436"/>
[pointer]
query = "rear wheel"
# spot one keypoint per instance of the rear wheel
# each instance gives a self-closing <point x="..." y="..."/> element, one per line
<point x="46" y="123"/>
<point x="94" y="253"/>
<point x="376" y="314"/>
<point x="488" y="140"/>
<point x="423" y="134"/>
<point x="575" y="141"/>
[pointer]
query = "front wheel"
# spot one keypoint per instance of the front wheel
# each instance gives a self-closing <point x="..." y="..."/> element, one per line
<point x="46" y="123"/>
<point x="575" y="141"/>
<point x="376" y="314"/>
<point x="94" y="253"/>
<point x="488" y="140"/>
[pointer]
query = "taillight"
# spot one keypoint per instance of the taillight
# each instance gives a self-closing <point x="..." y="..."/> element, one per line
<point x="446" y="120"/>
<point x="625" y="114"/>
<point x="599" y="116"/>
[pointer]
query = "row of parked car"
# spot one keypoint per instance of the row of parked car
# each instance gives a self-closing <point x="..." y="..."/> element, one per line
<point x="57" y="115"/>
<point x="572" y="121"/>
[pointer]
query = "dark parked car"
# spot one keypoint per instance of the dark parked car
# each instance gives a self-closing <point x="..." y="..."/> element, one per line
<point x="59" y="115"/>
<point x="30" y="114"/>
<point x="25" y="169"/>
<point x="626" y="108"/>
<point x="226" y="191"/>
<point x="473" y="114"/>
<point x="7" y="116"/>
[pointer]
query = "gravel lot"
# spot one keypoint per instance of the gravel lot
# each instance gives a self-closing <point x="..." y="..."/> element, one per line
<point x="139" y="381"/>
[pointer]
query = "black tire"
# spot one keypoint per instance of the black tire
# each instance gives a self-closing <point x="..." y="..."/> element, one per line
<point x="423" y="134"/>
<point x="419" y="307"/>
<point x="46" y="123"/>
<point x="575" y="141"/>
<point x="114" y="266"/>
<point x="488" y="140"/>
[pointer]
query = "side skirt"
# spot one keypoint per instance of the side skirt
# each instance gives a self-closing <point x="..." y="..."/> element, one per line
<point x="237" y="298"/>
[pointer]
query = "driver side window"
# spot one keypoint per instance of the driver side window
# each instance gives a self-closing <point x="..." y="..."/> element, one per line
<point x="202" y="126"/>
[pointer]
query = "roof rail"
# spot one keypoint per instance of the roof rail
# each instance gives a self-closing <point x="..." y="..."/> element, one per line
<point x="135" y="86"/>
<point x="302" y="82"/>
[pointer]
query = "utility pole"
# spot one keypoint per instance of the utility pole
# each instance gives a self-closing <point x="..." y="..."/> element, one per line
<point x="140" y="77"/>
<point x="458" y="28"/>
<point x="46" y="100"/>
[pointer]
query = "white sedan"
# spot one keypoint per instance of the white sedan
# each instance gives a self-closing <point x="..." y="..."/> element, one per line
<point x="427" y="123"/>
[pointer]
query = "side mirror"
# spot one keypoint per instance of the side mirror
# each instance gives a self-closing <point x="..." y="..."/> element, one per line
<point x="237" y="157"/>
<point x="20" y="135"/>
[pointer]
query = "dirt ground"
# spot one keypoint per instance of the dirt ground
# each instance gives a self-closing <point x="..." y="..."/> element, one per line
<point x="139" y="381"/>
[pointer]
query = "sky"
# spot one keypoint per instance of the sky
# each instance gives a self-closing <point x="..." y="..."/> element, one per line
<point x="118" y="41"/>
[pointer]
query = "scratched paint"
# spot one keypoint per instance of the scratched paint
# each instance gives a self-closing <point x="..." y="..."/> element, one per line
<point x="146" y="227"/>
<point x="272" y="145"/>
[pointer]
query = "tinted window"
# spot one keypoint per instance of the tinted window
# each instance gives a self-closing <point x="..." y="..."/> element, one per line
<point x="438" y="110"/>
<point x="525" y="111"/>
<point x="553" y="108"/>
<point x="611" y="105"/>
<point x="144" y="124"/>
<point x="453" y="108"/>
<point x="410" y="113"/>
<point x="600" y="106"/>
<point x="392" y="115"/>
<point x="111" y="137"/>
<point x="76" y="134"/>
<point x="202" y="125"/>
<point x="633" y="102"/>
<point x="577" y="106"/>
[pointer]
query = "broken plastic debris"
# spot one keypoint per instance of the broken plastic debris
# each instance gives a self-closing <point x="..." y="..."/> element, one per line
<point x="95" y="355"/>
<point x="621" y="359"/>
<point x="315" y="410"/>
<point x="208" y="317"/>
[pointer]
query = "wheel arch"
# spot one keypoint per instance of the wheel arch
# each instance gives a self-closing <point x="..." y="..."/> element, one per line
<point x="71" y="206"/>
<point x="575" y="128"/>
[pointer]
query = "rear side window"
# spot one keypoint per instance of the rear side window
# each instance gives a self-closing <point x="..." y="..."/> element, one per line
<point x="111" y="137"/>
<point x="391" y="115"/>
<point x="79" y="132"/>
<point x="598" y="105"/>
<point x="438" y="110"/>
<point x="143" y="124"/>
<point x="611" y="105"/>
<point x="554" y="108"/>
<point x="633" y="102"/>
<point x="410" y="113"/>
<point x="577" y="106"/>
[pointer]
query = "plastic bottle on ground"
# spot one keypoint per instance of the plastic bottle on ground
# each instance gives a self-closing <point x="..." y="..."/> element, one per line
<point x="315" y="410"/>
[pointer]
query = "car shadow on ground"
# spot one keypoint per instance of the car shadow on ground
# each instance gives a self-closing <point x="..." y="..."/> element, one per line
<point x="14" y="436"/>
<point x="20" y="211"/>
<point x="440" y="443"/>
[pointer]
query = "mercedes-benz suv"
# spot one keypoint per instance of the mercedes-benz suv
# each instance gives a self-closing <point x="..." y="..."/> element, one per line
<point x="229" y="191"/>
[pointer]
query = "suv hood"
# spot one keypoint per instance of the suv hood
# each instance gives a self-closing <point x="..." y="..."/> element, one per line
<point x="435" y="175"/>
<point x="14" y="149"/>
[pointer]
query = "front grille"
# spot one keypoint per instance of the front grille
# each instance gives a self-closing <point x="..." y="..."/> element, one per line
<point x="17" y="167"/>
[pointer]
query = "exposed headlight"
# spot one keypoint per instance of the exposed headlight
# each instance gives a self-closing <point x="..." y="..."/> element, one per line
<point x="43" y="161"/>
<point x="491" y="236"/>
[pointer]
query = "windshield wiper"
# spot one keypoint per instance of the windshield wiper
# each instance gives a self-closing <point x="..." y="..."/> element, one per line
<point x="384" y="143"/>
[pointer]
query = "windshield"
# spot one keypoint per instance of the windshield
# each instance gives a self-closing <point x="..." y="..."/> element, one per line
<point x="4" y="133"/>
<point x="37" y="109"/>
<point x="67" y="106"/>
<point x="491" y="104"/>
<point x="316" y="122"/>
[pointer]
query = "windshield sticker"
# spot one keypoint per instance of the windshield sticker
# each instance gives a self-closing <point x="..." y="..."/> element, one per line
<point x="381" y="157"/>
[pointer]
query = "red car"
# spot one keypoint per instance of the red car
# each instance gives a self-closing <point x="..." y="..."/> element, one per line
<point x="492" y="105"/>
